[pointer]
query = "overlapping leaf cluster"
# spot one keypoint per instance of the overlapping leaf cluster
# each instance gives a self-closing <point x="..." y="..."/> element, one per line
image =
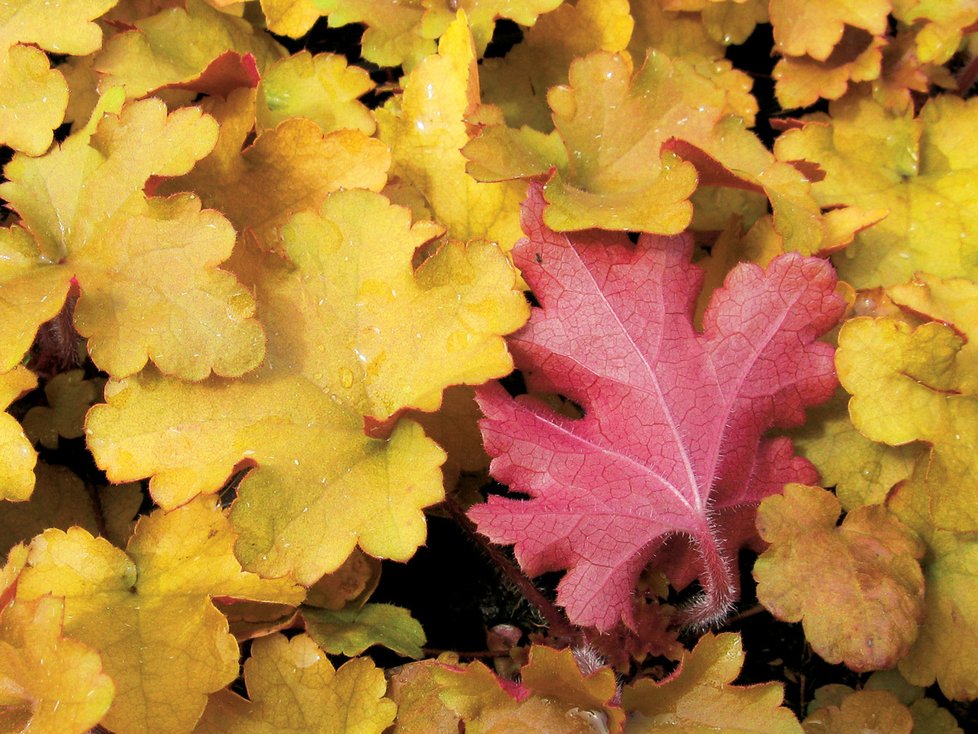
<point x="260" y="305"/>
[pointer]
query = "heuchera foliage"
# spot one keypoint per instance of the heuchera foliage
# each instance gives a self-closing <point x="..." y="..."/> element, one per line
<point x="256" y="304"/>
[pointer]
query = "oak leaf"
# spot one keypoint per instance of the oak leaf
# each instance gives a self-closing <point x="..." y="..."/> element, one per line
<point x="857" y="588"/>
<point x="48" y="682"/>
<point x="146" y="267"/>
<point x="294" y="689"/>
<point x="671" y="439"/>
<point x="699" y="696"/>
<point x="148" y="610"/>
<point x="919" y="168"/>
<point x="425" y="128"/>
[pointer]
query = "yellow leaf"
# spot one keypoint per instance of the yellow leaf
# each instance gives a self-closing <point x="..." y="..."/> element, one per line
<point x="176" y="45"/>
<point x="323" y="88"/>
<point x="518" y="83"/>
<point x="147" y="268"/>
<point x="291" y="18"/>
<point x="293" y="688"/>
<point x="862" y="711"/>
<point x="17" y="456"/>
<point x="862" y="471"/>
<point x="801" y="80"/>
<point x="59" y="501"/>
<point x="920" y="169"/>
<point x="32" y="96"/>
<point x="857" y="588"/>
<point x="661" y="25"/>
<point x="32" y="291"/>
<point x="403" y="33"/>
<point x="414" y="688"/>
<point x="813" y="29"/>
<point x="48" y="682"/>
<point x="165" y="644"/>
<point x="426" y="128"/>
<point x="699" y="696"/>
<point x="454" y="426"/>
<point x="941" y="24"/>
<point x="246" y="183"/>
<point x="69" y="397"/>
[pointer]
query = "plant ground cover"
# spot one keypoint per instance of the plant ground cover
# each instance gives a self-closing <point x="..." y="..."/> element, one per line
<point x="438" y="366"/>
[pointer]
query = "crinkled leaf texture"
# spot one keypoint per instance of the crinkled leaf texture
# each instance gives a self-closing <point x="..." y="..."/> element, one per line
<point x="671" y="441"/>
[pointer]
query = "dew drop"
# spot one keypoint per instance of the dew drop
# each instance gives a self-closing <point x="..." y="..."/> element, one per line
<point x="346" y="377"/>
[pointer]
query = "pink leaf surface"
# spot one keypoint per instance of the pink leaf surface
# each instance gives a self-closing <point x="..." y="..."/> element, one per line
<point x="672" y="437"/>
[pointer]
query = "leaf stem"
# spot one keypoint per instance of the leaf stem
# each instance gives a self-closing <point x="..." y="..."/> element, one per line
<point x="558" y="624"/>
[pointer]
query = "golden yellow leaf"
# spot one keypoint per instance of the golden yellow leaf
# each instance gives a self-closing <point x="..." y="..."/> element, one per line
<point x="813" y="29"/>
<point x="69" y="397"/>
<point x="48" y="682"/>
<point x="518" y="83"/>
<point x="246" y="183"/>
<point x="33" y="97"/>
<point x="454" y="426"/>
<point x="403" y="33"/>
<point x="699" y="696"/>
<point x="291" y="18"/>
<point x="158" y="51"/>
<point x="294" y="689"/>
<point x="167" y="646"/>
<point x="414" y="688"/>
<point x="862" y="711"/>
<point x="426" y="128"/>
<point x="147" y="267"/>
<point x="669" y="27"/>
<point x="920" y="169"/>
<point x="17" y="456"/>
<point x="323" y="88"/>
<point x="32" y="291"/>
<point x="857" y="588"/>
<point x="801" y="80"/>
<point x="59" y="500"/>
<point x="941" y="24"/>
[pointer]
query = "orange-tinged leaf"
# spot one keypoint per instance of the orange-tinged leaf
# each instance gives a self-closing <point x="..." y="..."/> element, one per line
<point x="69" y="397"/>
<point x="403" y="33"/>
<point x="147" y="268"/>
<point x="352" y="630"/>
<point x="921" y="169"/>
<point x="356" y="580"/>
<point x="32" y="290"/>
<point x="17" y="456"/>
<point x="941" y="25"/>
<point x="294" y="689"/>
<point x="167" y="646"/>
<point x="321" y="486"/>
<point x="48" y="682"/>
<point x="862" y="711"/>
<point x="454" y="426"/>
<point x="246" y="183"/>
<point x="518" y="83"/>
<point x="857" y="588"/>
<point x="414" y="688"/>
<point x="425" y="127"/>
<point x="801" y="80"/>
<point x="323" y="88"/>
<point x="555" y="697"/>
<point x="699" y="696"/>
<point x="813" y="29"/>
<point x="59" y="500"/>
<point x="158" y="51"/>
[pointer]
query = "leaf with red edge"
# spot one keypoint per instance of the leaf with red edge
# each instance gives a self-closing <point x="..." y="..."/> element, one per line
<point x="672" y="437"/>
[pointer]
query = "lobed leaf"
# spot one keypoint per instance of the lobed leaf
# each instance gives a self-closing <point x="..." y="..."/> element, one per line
<point x="354" y="629"/>
<point x="17" y="456"/>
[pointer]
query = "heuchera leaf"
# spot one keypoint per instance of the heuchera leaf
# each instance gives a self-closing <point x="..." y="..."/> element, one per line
<point x="813" y="29"/>
<point x="48" y="682"/>
<point x="857" y="587"/>
<point x="146" y="267"/>
<point x="293" y="689"/>
<point x="17" y="456"/>
<point x="699" y="696"/>
<point x="671" y="440"/>
<point x="862" y="711"/>
<point x="919" y="168"/>
<point x="352" y="630"/>
<point x="167" y="646"/>
<point x="425" y="128"/>
<point x="69" y="397"/>
<point x="33" y="97"/>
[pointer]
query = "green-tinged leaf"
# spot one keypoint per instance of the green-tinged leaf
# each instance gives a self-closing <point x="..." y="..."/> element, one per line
<point x="352" y="630"/>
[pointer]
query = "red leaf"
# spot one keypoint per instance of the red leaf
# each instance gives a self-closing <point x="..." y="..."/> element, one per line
<point x="672" y="436"/>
